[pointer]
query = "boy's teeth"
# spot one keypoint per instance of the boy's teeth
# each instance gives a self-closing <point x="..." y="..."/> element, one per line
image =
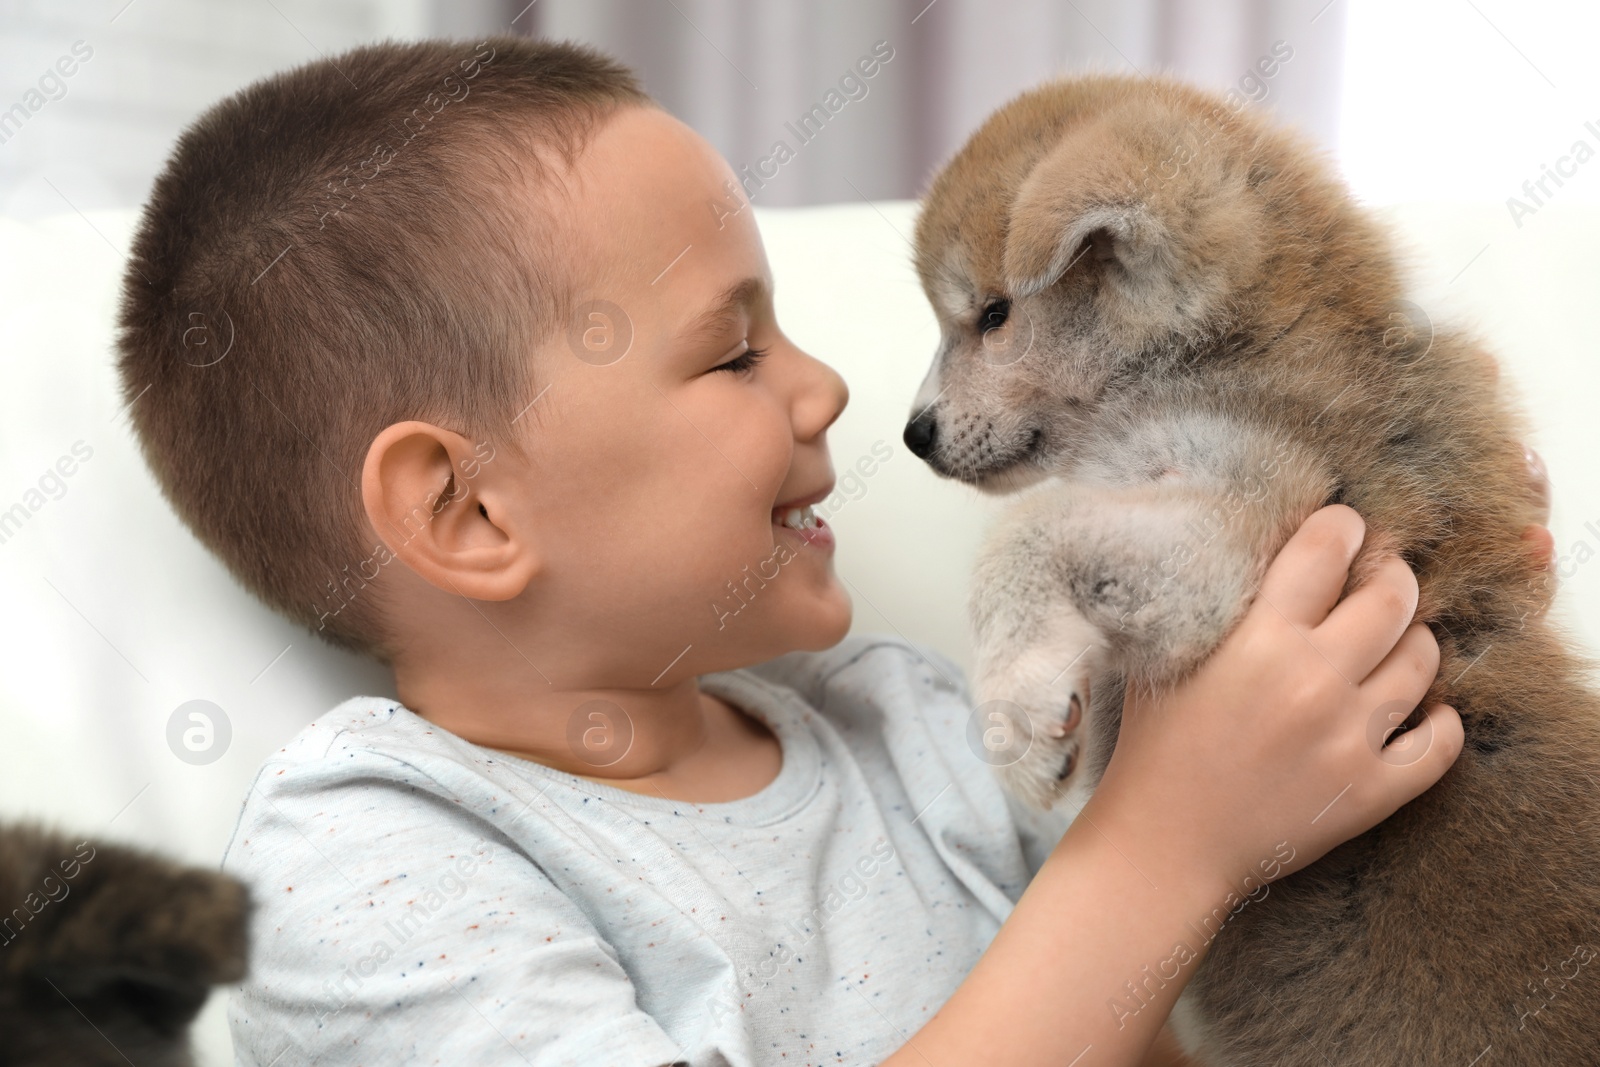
<point x="800" y="518"/>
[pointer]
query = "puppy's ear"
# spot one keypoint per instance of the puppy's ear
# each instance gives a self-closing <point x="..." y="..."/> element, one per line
<point x="1067" y="212"/>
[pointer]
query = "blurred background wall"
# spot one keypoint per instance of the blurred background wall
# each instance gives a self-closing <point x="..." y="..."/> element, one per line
<point x="742" y="72"/>
<point x="1463" y="99"/>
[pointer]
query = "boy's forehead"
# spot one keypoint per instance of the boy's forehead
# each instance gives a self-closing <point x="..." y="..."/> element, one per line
<point x="646" y="191"/>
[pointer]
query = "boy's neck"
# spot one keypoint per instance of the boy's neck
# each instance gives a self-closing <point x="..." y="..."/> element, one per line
<point x="680" y="743"/>
<point x="745" y="762"/>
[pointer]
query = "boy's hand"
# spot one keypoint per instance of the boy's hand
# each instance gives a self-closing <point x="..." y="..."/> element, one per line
<point x="1265" y="758"/>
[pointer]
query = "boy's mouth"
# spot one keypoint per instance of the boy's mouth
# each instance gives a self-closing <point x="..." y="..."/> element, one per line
<point x="797" y="518"/>
<point x="805" y="524"/>
<point x="801" y="518"/>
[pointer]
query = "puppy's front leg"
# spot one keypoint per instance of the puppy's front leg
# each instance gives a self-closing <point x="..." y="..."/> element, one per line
<point x="1034" y="656"/>
<point x="1078" y="580"/>
<point x="1035" y="653"/>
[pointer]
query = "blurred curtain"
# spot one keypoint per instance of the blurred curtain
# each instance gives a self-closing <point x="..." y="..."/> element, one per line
<point x="744" y="72"/>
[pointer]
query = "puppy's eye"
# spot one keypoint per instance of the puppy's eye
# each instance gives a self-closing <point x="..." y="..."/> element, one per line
<point x="994" y="315"/>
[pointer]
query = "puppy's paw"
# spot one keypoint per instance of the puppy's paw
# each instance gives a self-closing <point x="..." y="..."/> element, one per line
<point x="1034" y="706"/>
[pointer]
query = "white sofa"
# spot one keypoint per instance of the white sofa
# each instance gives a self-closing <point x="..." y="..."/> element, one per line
<point x="115" y="616"/>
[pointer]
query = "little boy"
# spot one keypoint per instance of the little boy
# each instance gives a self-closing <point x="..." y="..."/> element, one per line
<point x="465" y="357"/>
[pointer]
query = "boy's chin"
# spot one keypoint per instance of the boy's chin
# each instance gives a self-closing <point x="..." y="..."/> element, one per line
<point x="831" y="625"/>
<point x="830" y="632"/>
<point x="812" y="627"/>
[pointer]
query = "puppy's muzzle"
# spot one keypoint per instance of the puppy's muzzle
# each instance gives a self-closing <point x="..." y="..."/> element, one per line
<point x="983" y="458"/>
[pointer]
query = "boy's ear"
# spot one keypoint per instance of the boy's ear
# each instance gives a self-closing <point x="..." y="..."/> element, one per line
<point x="437" y="505"/>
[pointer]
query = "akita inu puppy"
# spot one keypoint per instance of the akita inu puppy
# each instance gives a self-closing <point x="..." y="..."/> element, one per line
<point x="1175" y="317"/>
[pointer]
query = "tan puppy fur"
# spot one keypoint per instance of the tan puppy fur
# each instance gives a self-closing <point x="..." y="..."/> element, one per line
<point x="1174" y="320"/>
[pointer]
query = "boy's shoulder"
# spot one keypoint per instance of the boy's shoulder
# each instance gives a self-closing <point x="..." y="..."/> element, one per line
<point x="362" y="743"/>
<point x="362" y="730"/>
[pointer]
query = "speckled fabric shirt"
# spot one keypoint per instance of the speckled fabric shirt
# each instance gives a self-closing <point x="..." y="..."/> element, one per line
<point x="424" y="900"/>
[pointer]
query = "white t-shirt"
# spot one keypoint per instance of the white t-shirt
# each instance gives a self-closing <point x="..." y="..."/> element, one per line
<point x="423" y="900"/>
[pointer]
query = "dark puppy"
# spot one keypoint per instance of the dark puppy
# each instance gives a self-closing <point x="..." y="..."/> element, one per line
<point x="107" y="953"/>
<point x="1176" y="319"/>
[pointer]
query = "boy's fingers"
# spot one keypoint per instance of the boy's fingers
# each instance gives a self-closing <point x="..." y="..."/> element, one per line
<point x="1305" y="579"/>
<point x="1405" y="673"/>
<point x="1539" y="481"/>
<point x="1542" y="543"/>
<point x="1426" y="756"/>
<point x="1365" y="626"/>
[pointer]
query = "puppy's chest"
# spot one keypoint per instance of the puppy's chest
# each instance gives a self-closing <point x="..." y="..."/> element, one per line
<point x="1198" y="448"/>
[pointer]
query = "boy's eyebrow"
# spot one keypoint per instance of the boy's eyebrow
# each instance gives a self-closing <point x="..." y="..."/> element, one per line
<point x="722" y="311"/>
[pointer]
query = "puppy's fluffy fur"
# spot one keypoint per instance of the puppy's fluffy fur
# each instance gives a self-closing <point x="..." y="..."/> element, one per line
<point x="1176" y="319"/>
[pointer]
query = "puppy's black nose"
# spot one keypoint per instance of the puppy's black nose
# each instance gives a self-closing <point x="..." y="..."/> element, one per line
<point x="920" y="434"/>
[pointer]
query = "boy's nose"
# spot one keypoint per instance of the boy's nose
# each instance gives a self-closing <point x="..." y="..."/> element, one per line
<point x="821" y="399"/>
<point x="921" y="432"/>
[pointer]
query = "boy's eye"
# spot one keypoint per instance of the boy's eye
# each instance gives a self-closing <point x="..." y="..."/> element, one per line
<point x="745" y="360"/>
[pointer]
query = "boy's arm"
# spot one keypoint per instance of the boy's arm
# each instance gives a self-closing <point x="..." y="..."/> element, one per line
<point x="1055" y="982"/>
<point x="1210" y="783"/>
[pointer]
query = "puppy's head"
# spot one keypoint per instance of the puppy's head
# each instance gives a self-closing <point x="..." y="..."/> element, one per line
<point x="1090" y="234"/>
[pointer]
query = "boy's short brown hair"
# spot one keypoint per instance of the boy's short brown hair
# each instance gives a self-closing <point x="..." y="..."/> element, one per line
<point x="331" y="250"/>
